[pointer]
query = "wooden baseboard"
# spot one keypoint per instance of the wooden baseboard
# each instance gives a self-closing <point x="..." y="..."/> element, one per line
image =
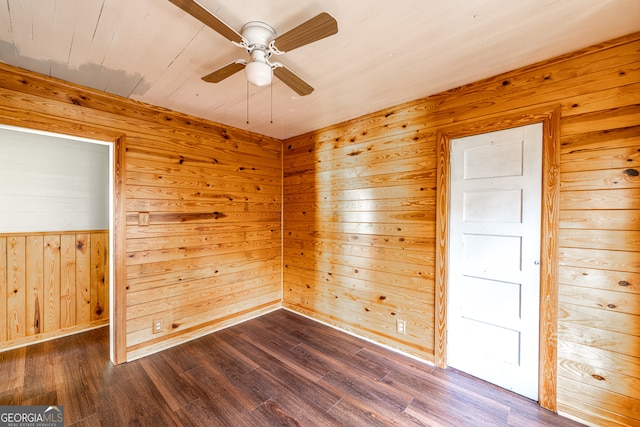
<point x="217" y="325"/>
<point x="59" y="333"/>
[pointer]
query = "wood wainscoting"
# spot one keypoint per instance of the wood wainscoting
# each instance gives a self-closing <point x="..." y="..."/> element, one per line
<point x="52" y="284"/>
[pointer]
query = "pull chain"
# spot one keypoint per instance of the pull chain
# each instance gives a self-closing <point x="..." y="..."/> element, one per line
<point x="270" y="101"/>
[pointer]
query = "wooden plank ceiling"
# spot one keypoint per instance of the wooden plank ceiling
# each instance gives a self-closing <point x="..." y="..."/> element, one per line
<point x="385" y="52"/>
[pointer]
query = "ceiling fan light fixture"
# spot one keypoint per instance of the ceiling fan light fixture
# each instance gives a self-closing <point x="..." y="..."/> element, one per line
<point x="258" y="71"/>
<point x="261" y="42"/>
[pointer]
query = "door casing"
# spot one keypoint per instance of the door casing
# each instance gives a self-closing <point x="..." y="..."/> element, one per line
<point x="550" y="119"/>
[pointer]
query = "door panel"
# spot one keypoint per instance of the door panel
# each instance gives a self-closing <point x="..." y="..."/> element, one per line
<point x="493" y="161"/>
<point x="493" y="206"/>
<point x="485" y="255"/>
<point x="494" y="250"/>
<point x="499" y="345"/>
<point x="493" y="301"/>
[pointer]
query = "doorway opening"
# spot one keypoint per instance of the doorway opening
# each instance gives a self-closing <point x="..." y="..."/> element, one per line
<point x="66" y="213"/>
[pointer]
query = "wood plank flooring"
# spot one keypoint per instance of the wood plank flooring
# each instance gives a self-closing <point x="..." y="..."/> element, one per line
<point x="277" y="370"/>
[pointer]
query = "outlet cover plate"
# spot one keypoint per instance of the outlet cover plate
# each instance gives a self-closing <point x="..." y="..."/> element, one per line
<point x="401" y="327"/>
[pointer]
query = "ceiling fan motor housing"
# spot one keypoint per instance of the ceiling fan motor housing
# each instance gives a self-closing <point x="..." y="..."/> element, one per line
<point x="258" y="35"/>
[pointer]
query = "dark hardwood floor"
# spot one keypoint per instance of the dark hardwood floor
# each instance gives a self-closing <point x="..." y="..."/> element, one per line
<point x="278" y="370"/>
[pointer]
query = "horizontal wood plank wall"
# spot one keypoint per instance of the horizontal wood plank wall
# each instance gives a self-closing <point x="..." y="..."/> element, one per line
<point x="360" y="207"/>
<point x="211" y="250"/>
<point x="210" y="255"/>
<point x="52" y="284"/>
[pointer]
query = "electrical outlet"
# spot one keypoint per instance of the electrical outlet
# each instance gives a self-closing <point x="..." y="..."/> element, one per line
<point x="157" y="326"/>
<point x="401" y="327"/>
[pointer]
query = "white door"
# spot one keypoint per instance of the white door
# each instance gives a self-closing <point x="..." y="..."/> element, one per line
<point x="494" y="253"/>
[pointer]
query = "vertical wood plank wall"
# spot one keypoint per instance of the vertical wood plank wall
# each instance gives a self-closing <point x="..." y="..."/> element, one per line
<point x="210" y="255"/>
<point x="52" y="284"/>
<point x="360" y="209"/>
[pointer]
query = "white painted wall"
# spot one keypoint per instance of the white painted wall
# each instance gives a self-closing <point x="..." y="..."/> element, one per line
<point x="51" y="183"/>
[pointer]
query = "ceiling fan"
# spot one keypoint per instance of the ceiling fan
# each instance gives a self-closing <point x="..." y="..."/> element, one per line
<point x="261" y="42"/>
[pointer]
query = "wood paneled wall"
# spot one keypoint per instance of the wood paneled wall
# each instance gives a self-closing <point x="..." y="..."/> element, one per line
<point x="52" y="284"/>
<point x="360" y="209"/>
<point x="210" y="253"/>
<point x="599" y="274"/>
<point x="359" y="215"/>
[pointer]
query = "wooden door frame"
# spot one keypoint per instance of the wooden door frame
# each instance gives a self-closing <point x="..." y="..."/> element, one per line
<point x="550" y="119"/>
<point x="118" y="333"/>
<point x="52" y="124"/>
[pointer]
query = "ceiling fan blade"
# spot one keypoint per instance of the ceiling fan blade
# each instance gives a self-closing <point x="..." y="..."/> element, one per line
<point x="224" y="72"/>
<point x="289" y="78"/>
<point x="316" y="28"/>
<point x="208" y="18"/>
